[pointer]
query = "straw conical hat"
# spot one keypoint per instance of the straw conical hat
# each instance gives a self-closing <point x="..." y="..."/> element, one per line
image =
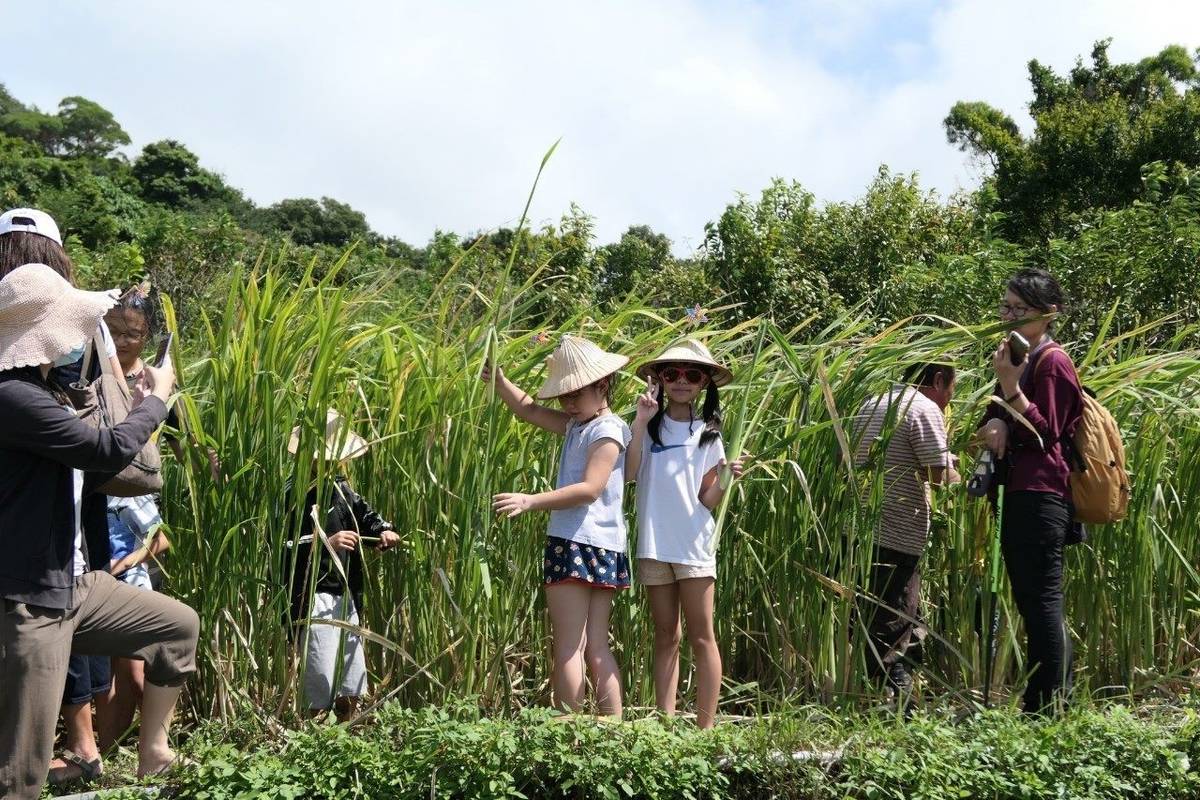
<point x="688" y="351"/>
<point x="43" y="317"/>
<point x="341" y="443"/>
<point x="577" y="363"/>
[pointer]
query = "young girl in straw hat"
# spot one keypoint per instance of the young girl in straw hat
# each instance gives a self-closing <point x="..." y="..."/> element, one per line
<point x="333" y="591"/>
<point x="676" y="459"/>
<point x="585" y="557"/>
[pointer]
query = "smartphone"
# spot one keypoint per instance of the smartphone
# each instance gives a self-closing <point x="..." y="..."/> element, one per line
<point x="1018" y="347"/>
<point x="164" y="347"/>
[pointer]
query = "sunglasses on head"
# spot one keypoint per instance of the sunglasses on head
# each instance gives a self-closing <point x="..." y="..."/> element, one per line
<point x="690" y="374"/>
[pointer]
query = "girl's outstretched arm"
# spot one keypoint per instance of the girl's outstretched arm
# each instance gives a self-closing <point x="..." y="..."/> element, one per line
<point x="523" y="405"/>
<point x="602" y="458"/>
<point x="711" y="493"/>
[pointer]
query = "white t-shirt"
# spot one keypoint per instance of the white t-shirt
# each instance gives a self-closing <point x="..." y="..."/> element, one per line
<point x="80" y="563"/>
<point x="673" y="525"/>
<point x="602" y="523"/>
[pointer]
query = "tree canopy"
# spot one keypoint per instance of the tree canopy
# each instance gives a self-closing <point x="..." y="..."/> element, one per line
<point x="1102" y="190"/>
<point x="1094" y="130"/>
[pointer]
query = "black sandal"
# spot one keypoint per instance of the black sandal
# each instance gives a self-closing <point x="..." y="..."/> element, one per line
<point x="88" y="770"/>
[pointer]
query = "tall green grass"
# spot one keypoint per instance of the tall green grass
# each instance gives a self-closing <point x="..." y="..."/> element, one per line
<point x="461" y="612"/>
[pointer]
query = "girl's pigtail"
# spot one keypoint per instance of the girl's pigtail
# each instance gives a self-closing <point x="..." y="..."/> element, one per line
<point x="655" y="423"/>
<point x="712" y="415"/>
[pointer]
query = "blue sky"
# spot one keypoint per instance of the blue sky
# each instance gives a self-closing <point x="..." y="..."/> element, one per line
<point x="435" y="115"/>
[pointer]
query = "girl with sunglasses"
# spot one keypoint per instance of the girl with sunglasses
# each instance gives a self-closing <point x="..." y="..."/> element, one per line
<point x="677" y="460"/>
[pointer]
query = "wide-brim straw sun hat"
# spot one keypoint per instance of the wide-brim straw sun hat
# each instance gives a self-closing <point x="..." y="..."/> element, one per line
<point x="688" y="351"/>
<point x="341" y="443"/>
<point x="43" y="317"/>
<point x="577" y="363"/>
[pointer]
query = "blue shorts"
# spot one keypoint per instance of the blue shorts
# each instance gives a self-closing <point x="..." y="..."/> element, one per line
<point x="569" y="561"/>
<point x="87" y="676"/>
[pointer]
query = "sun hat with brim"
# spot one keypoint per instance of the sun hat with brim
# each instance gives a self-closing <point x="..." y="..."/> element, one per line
<point x="30" y="220"/>
<point x="43" y="317"/>
<point x="341" y="443"/>
<point x="577" y="363"/>
<point x="688" y="351"/>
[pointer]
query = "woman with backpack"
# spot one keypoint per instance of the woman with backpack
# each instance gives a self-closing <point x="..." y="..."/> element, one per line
<point x="1030" y="436"/>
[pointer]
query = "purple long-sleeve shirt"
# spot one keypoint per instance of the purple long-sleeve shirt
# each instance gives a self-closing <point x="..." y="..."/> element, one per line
<point x="1055" y="400"/>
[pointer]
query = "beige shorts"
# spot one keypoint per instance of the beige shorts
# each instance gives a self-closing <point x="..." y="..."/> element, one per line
<point x="660" y="573"/>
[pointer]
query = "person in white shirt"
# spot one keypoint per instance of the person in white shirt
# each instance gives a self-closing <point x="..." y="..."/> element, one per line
<point x="677" y="460"/>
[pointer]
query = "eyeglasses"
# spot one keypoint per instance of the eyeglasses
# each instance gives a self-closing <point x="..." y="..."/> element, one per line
<point x="1016" y="312"/>
<point x="690" y="374"/>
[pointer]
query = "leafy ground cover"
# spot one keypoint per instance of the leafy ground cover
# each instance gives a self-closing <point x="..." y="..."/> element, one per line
<point x="800" y="752"/>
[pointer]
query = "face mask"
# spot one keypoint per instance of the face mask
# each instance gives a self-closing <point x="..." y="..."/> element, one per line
<point x="71" y="357"/>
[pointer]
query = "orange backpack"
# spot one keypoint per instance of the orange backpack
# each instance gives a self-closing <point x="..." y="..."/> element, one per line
<point x="1099" y="482"/>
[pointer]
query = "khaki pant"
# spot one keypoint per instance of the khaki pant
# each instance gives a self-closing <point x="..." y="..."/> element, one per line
<point x="109" y="618"/>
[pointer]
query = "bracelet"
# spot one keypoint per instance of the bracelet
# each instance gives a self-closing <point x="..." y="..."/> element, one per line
<point x="1014" y="396"/>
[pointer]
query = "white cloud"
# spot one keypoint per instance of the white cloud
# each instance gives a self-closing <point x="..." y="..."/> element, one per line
<point x="427" y="115"/>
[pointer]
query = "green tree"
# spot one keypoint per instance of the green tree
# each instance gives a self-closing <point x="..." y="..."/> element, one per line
<point x="635" y="258"/>
<point x="26" y="172"/>
<point x="1094" y="130"/>
<point x="310" y="222"/>
<point x="88" y="129"/>
<point x="863" y="245"/>
<point x="759" y="255"/>
<point x="81" y="128"/>
<point x="170" y="174"/>
<point x="44" y="130"/>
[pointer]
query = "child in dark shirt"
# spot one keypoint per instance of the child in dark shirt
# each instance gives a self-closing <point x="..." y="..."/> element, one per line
<point x="332" y="590"/>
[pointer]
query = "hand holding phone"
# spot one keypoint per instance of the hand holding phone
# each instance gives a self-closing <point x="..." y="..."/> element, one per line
<point x="164" y="347"/>
<point x="1018" y="347"/>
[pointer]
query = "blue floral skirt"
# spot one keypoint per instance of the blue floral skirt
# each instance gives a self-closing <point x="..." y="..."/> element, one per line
<point x="570" y="561"/>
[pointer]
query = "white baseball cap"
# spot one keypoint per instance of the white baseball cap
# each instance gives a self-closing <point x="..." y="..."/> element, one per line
<point x="30" y="220"/>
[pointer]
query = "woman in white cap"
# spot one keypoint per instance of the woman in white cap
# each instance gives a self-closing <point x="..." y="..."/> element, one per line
<point x="51" y="604"/>
<point x="30" y="236"/>
<point x="585" y="559"/>
<point x="676" y="459"/>
<point x="331" y="591"/>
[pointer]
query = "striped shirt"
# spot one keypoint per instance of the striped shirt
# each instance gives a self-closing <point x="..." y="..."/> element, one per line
<point x="917" y="442"/>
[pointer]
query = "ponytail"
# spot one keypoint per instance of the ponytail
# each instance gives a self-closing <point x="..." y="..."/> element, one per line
<point x="655" y="424"/>
<point x="711" y="415"/>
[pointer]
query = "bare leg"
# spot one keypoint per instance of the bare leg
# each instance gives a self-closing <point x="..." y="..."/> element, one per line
<point x="696" y="597"/>
<point x="81" y="739"/>
<point x="606" y="675"/>
<point x="664" y="610"/>
<point x="154" y="746"/>
<point x="568" y="606"/>
<point x="124" y="698"/>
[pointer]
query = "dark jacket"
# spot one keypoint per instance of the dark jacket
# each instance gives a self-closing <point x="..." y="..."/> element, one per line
<point x="346" y="511"/>
<point x="1051" y="386"/>
<point x="41" y="441"/>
